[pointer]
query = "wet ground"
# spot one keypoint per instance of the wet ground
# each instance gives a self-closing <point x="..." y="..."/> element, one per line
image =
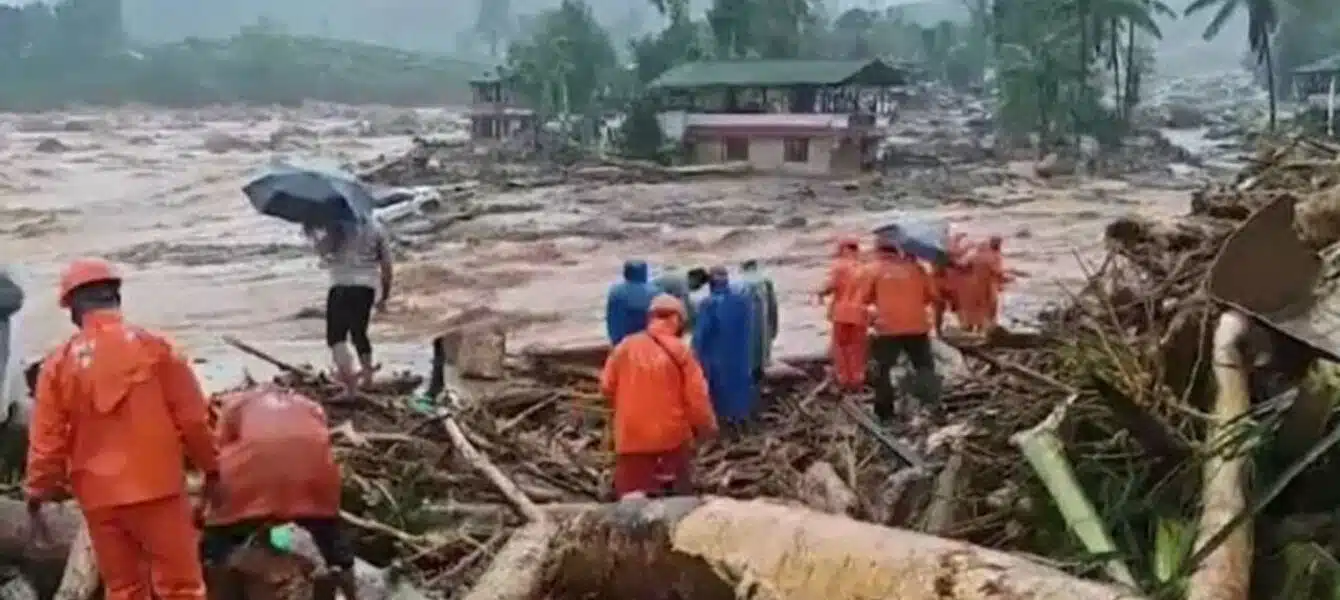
<point x="143" y="189"/>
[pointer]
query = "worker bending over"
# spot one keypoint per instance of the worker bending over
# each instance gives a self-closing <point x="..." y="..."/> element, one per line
<point x="276" y="461"/>
<point x="116" y="409"/>
<point x="902" y="294"/>
<point x="659" y="395"/>
<point x="847" y="316"/>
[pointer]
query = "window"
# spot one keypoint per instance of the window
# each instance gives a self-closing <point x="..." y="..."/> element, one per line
<point x="737" y="149"/>
<point x="797" y="150"/>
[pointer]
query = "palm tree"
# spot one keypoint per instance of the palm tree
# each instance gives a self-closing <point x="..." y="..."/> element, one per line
<point x="1262" y="17"/>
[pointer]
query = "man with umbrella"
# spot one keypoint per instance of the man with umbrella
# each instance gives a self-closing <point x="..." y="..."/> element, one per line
<point x="902" y="294"/>
<point x="335" y="210"/>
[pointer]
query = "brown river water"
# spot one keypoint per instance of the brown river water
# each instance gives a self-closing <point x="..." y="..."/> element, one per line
<point x="140" y="187"/>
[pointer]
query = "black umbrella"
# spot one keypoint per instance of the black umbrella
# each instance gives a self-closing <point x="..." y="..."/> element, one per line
<point x="310" y="196"/>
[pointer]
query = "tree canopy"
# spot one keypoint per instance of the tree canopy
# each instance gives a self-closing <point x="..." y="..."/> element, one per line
<point x="76" y="51"/>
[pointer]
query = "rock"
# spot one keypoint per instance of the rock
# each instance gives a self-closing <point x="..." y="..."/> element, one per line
<point x="793" y="222"/>
<point x="80" y="126"/>
<point x="1184" y="116"/>
<point x="37" y="124"/>
<point x="222" y="143"/>
<point x="476" y="350"/>
<point x="51" y="146"/>
<point x="1052" y="165"/>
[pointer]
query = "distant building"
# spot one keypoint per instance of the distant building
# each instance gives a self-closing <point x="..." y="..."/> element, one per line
<point x="497" y="111"/>
<point x="1316" y="80"/>
<point x="803" y="117"/>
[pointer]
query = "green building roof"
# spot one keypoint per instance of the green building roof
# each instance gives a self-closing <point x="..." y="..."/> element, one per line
<point x="779" y="73"/>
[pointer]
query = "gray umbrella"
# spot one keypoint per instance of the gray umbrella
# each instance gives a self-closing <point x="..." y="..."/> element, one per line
<point x="310" y="195"/>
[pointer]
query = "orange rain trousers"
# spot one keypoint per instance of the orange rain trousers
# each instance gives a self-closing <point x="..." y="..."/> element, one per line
<point x="148" y="547"/>
<point x="849" y="349"/>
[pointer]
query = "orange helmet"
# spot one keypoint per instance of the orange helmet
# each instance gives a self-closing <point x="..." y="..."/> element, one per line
<point x="665" y="304"/>
<point x="82" y="272"/>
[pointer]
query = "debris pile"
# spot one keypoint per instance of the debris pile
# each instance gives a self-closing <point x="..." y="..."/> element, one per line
<point x="486" y="485"/>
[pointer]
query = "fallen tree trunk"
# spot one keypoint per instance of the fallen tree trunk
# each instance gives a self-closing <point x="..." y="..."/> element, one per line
<point x="1225" y="574"/>
<point x="711" y="548"/>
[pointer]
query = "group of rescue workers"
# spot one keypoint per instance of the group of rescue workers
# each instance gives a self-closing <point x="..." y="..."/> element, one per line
<point x="667" y="394"/>
<point x="116" y="407"/>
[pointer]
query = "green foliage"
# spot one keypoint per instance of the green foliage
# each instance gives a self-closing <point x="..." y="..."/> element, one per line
<point x="640" y="135"/>
<point x="1051" y="55"/>
<point x="1262" y="17"/>
<point x="42" y="68"/>
<point x="568" y="65"/>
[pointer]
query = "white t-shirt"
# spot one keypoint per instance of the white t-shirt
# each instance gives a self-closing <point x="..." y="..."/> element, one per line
<point x="358" y="259"/>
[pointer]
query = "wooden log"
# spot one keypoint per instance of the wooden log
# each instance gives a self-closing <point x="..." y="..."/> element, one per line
<point x="708" y="548"/>
<point x="1225" y="573"/>
<point x="80" y="579"/>
<point x="822" y="489"/>
<point x="517" y="571"/>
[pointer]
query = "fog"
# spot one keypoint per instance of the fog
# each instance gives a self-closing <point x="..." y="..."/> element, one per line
<point x="433" y="25"/>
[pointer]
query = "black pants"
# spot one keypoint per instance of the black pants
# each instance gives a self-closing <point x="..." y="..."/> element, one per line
<point x="886" y="350"/>
<point x="348" y="312"/>
<point x="218" y="541"/>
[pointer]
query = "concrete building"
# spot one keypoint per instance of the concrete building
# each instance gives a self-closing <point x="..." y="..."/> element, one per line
<point x="801" y="117"/>
<point x="497" y="112"/>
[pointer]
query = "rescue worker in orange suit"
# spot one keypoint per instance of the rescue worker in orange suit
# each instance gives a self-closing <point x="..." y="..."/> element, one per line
<point x="276" y="461"/>
<point x="661" y="405"/>
<point x="117" y="408"/>
<point x="847" y="315"/>
<point x="986" y="277"/>
<point x="903" y="295"/>
<point x="949" y="280"/>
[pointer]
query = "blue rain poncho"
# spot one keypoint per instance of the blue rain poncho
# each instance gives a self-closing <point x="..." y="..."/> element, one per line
<point x="721" y="341"/>
<point x="762" y="295"/>
<point x="628" y="302"/>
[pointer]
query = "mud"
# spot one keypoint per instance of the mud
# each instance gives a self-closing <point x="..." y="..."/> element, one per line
<point x="140" y="187"/>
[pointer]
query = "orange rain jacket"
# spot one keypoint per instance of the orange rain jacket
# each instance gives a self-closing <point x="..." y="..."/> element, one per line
<point x="657" y="389"/>
<point x="986" y="277"/>
<point x="844" y="285"/>
<point x="116" y="407"/>
<point x="902" y="292"/>
<point x="275" y="457"/>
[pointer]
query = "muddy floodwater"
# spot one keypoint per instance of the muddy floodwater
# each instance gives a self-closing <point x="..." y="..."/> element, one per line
<point x="159" y="193"/>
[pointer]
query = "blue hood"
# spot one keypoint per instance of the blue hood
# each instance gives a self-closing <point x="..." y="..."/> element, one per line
<point x="635" y="271"/>
<point x="718" y="286"/>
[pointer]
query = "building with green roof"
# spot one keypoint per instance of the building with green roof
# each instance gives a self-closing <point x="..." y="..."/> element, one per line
<point x="809" y="117"/>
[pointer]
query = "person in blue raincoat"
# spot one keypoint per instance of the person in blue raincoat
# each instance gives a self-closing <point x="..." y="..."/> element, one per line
<point x="763" y="294"/>
<point x="628" y="302"/>
<point x="722" y="340"/>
